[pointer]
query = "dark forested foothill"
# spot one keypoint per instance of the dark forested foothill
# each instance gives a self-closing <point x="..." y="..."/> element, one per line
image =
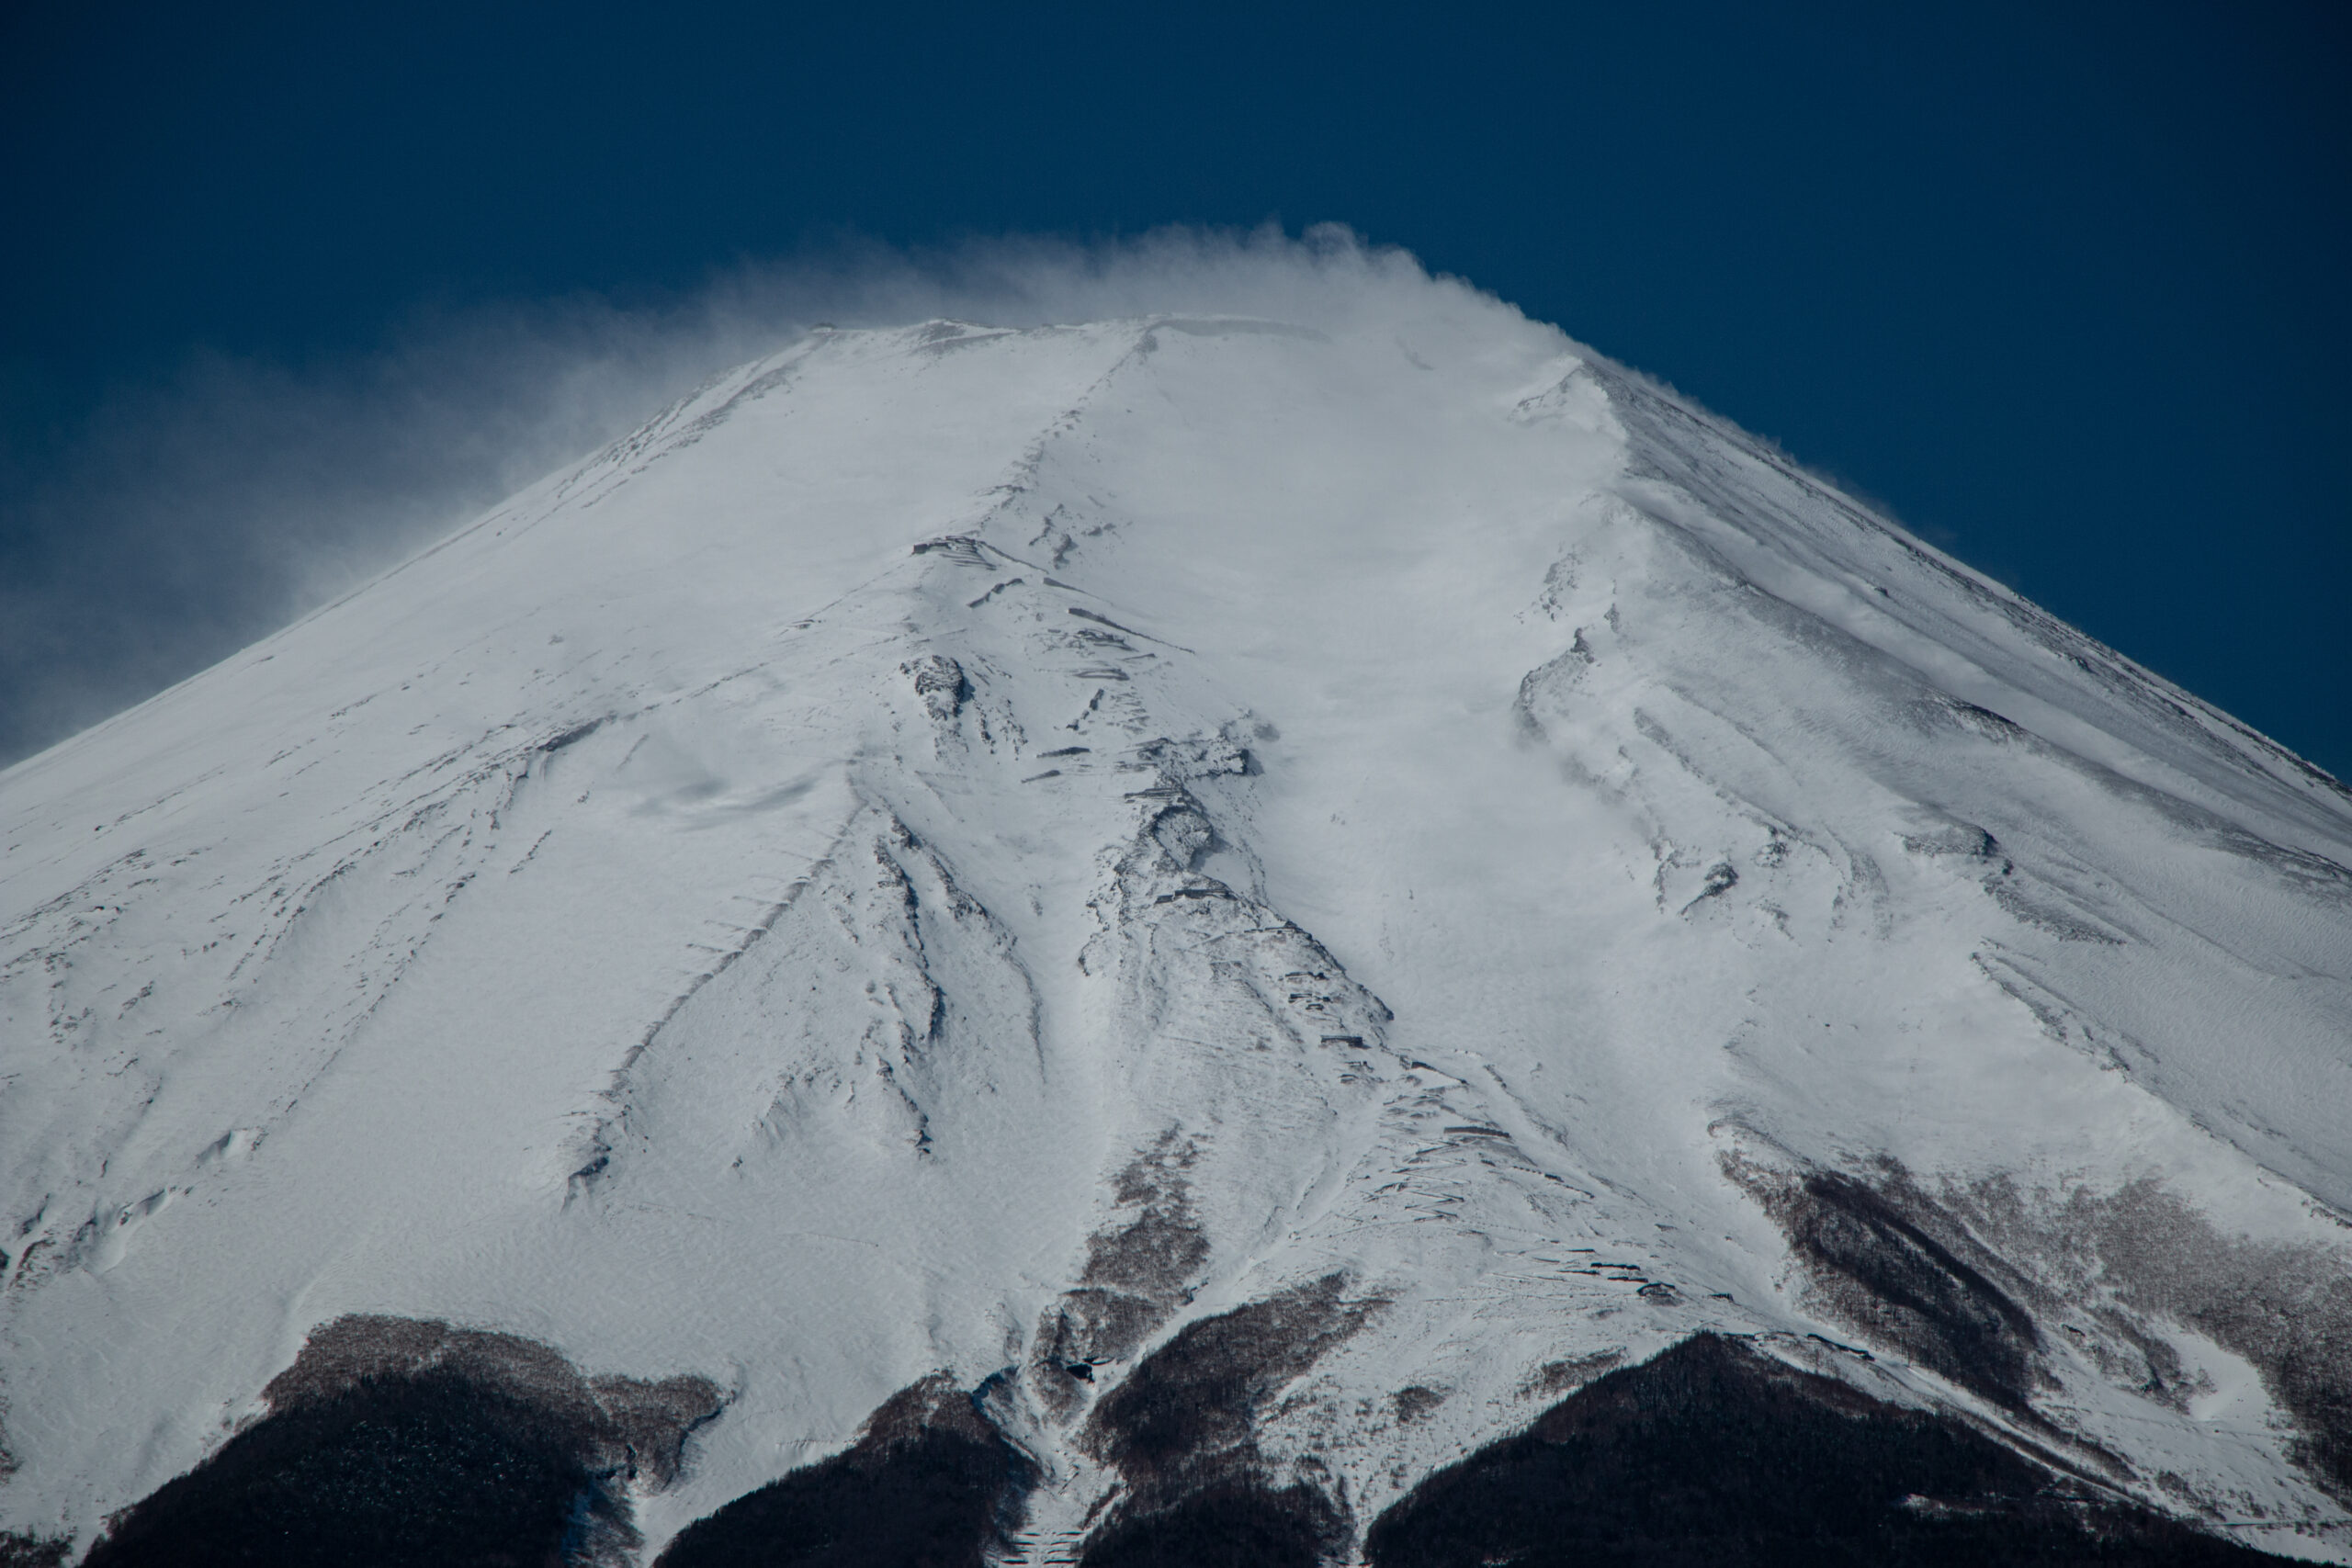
<point x="1238" y="1523"/>
<point x="1715" y="1456"/>
<point x="928" y="1485"/>
<point x="393" y="1474"/>
<point x="397" y="1443"/>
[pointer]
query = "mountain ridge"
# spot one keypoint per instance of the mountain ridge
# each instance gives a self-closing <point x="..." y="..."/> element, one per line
<point x="982" y="853"/>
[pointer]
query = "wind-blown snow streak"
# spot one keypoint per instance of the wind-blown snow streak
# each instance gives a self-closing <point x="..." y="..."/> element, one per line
<point x="985" y="853"/>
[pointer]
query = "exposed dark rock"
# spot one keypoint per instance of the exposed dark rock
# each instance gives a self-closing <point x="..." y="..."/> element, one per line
<point x="941" y="684"/>
<point x="928" y="1484"/>
<point x="1714" y="1454"/>
<point x="573" y="735"/>
<point x="1722" y="877"/>
<point x="396" y="1442"/>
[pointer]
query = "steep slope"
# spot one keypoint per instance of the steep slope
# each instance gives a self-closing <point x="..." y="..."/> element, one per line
<point x="1268" y="900"/>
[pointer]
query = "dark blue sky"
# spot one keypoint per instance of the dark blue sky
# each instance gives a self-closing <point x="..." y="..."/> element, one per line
<point x="2063" y="286"/>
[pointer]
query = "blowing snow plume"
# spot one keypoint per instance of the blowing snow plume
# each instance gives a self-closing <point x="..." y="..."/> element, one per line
<point x="1271" y="927"/>
<point x="175" y="522"/>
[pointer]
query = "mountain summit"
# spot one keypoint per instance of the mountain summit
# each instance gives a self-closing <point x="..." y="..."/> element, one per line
<point x="1184" y="940"/>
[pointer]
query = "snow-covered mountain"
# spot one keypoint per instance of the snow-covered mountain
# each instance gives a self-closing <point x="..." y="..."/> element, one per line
<point x="1097" y="940"/>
